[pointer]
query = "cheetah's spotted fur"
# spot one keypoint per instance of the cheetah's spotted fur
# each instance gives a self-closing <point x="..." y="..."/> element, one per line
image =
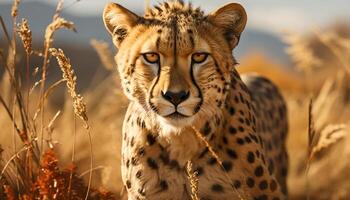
<point x="243" y="118"/>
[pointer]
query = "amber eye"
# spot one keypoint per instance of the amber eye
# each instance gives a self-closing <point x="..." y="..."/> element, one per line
<point x="199" y="57"/>
<point x="151" y="57"/>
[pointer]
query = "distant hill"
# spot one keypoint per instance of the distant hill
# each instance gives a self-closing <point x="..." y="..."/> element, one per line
<point x="40" y="15"/>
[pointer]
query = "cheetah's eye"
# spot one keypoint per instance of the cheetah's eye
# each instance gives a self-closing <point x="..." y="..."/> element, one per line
<point x="151" y="57"/>
<point x="199" y="57"/>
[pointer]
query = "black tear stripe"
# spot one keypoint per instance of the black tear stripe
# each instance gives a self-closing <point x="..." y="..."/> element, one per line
<point x="158" y="72"/>
<point x="200" y="95"/>
<point x="152" y="22"/>
<point x="152" y="87"/>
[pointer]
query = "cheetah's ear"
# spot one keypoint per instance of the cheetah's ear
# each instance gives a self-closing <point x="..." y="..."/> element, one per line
<point x="232" y="18"/>
<point x="118" y="21"/>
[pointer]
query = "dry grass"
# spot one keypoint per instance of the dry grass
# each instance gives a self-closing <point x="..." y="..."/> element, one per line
<point x="78" y="104"/>
<point x="192" y="177"/>
<point x="39" y="140"/>
<point x="104" y="53"/>
<point x="29" y="166"/>
<point x="323" y="154"/>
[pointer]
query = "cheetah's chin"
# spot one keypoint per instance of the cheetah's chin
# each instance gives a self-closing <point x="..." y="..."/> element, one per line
<point x="174" y="124"/>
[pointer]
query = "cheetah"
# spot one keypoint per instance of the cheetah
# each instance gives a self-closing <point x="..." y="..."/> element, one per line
<point x="177" y="69"/>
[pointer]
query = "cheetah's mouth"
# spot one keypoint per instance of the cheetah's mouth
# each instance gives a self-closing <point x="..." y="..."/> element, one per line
<point x="176" y="120"/>
<point x="176" y="115"/>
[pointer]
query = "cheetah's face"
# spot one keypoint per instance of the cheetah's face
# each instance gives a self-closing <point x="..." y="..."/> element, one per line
<point x="176" y="62"/>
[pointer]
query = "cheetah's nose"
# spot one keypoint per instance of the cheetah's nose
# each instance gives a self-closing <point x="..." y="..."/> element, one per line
<point x="175" y="97"/>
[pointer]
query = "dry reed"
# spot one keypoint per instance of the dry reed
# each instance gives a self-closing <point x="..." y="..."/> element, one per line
<point x="26" y="35"/>
<point x="104" y="53"/>
<point x="14" y="10"/>
<point x="320" y="56"/>
<point x="192" y="177"/>
<point x="329" y="136"/>
<point x="23" y="174"/>
<point x="56" y="24"/>
<point x="70" y="78"/>
<point x="78" y="103"/>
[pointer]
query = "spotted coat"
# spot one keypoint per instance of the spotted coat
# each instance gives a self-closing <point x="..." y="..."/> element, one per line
<point x="243" y="118"/>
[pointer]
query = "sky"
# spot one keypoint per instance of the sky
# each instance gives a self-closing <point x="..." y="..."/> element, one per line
<point x="275" y="16"/>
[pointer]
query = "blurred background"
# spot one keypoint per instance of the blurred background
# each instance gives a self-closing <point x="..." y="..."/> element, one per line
<point x="268" y="23"/>
<point x="302" y="46"/>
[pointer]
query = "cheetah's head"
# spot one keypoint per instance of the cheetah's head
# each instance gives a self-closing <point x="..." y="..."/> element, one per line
<point x="175" y="61"/>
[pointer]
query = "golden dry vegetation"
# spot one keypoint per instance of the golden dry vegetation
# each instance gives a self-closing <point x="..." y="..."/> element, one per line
<point x="73" y="151"/>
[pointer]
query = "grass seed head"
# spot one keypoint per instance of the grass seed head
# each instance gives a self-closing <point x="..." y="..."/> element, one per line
<point x="14" y="9"/>
<point x="192" y="177"/>
<point x="70" y="78"/>
<point x="329" y="136"/>
<point x="26" y="36"/>
<point x="56" y="24"/>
